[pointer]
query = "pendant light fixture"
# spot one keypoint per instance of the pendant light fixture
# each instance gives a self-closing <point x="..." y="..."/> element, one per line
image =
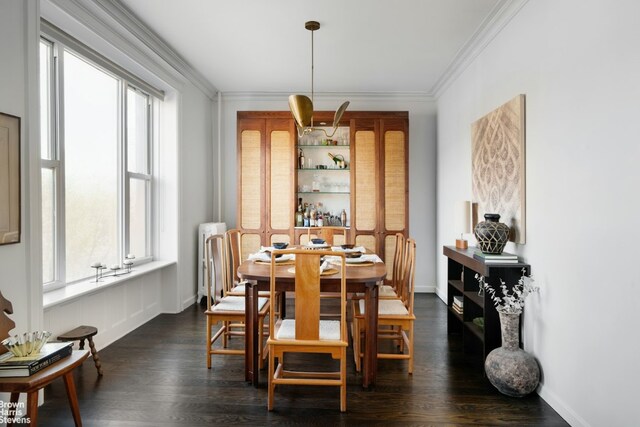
<point x="302" y="107"/>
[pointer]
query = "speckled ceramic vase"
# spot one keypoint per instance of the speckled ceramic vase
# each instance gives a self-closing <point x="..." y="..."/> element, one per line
<point x="510" y="369"/>
<point x="491" y="234"/>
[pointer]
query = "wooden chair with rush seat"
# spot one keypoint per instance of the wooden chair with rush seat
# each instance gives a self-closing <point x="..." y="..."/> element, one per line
<point x="396" y="313"/>
<point x="228" y="309"/>
<point x="306" y="333"/>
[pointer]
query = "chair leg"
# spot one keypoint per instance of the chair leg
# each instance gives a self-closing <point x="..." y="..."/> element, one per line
<point x="411" y="349"/>
<point x="356" y="343"/>
<point x="343" y="380"/>
<point x="225" y="336"/>
<point x="261" y="354"/>
<point x="208" y="342"/>
<point x="272" y="361"/>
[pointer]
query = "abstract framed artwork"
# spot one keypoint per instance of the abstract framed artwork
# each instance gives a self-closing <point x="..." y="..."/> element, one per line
<point x="498" y="166"/>
<point x="9" y="179"/>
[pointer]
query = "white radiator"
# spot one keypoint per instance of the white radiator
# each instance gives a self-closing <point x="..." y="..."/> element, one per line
<point x="205" y="230"/>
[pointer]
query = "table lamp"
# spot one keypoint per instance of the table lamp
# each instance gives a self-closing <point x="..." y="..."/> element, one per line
<point x="463" y="223"/>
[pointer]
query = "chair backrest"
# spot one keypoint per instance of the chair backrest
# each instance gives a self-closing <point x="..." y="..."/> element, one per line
<point x="408" y="275"/>
<point x="215" y="268"/>
<point x="327" y="233"/>
<point x="307" y="292"/>
<point x="398" y="261"/>
<point x="233" y="255"/>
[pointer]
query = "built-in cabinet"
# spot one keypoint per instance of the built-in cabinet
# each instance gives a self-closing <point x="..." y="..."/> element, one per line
<point x="266" y="181"/>
<point x="372" y="187"/>
<point x="380" y="202"/>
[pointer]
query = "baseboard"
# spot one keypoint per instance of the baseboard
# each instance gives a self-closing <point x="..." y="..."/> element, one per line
<point x="561" y="408"/>
<point x="189" y="301"/>
<point x="425" y="289"/>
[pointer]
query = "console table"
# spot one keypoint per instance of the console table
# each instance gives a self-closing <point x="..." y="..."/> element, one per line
<point x="461" y="270"/>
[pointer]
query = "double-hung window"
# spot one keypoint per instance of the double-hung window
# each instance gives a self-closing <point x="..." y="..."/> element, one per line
<point x="96" y="151"/>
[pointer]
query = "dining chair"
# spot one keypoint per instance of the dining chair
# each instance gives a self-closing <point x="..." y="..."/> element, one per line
<point x="228" y="309"/>
<point x="396" y="313"/>
<point x="306" y="332"/>
<point x="329" y="234"/>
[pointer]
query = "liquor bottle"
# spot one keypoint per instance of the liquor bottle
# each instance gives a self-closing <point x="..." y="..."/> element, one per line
<point x="312" y="217"/>
<point x="299" y="220"/>
<point x="301" y="159"/>
<point x="319" y="220"/>
<point x="343" y="218"/>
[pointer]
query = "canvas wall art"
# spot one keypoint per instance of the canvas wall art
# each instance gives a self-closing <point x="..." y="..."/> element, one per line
<point x="498" y="165"/>
<point x="9" y="179"/>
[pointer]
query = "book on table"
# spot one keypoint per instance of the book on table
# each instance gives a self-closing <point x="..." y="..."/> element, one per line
<point x="12" y="366"/>
<point x="503" y="258"/>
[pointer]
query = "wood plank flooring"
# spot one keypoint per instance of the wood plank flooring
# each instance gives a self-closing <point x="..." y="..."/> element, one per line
<point x="157" y="376"/>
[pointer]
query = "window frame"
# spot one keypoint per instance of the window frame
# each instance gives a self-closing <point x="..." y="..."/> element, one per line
<point x="124" y="177"/>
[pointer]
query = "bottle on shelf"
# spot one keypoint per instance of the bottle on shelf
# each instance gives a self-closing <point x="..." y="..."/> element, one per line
<point x="301" y="159"/>
<point x="319" y="220"/>
<point x="312" y="216"/>
<point x="299" y="219"/>
<point x="343" y="218"/>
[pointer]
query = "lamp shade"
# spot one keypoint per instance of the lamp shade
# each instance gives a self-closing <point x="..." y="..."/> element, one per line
<point x="463" y="217"/>
<point x="302" y="110"/>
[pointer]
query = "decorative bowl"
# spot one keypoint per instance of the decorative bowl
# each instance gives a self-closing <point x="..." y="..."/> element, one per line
<point x="280" y="245"/>
<point x="353" y="254"/>
<point x="349" y="246"/>
<point x="317" y="241"/>
<point x="28" y="344"/>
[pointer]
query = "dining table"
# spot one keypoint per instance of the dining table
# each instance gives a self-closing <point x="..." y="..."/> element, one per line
<point x="360" y="279"/>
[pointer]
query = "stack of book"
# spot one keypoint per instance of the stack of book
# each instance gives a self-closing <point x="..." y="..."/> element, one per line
<point x="503" y="258"/>
<point x="12" y="366"/>
<point x="457" y="304"/>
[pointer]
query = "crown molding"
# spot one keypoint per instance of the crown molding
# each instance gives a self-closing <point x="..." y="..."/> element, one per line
<point x="107" y="12"/>
<point x="331" y="96"/>
<point x="491" y="26"/>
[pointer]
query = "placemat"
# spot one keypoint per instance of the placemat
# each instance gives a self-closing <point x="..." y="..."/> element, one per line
<point x="360" y="264"/>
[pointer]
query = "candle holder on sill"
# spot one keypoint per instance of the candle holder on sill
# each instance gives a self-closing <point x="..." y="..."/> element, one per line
<point x="99" y="267"/>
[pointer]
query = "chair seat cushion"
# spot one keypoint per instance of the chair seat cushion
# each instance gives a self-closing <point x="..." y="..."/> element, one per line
<point x="235" y="303"/>
<point x="383" y="291"/>
<point x="388" y="307"/>
<point x="238" y="289"/>
<point x="386" y="291"/>
<point x="329" y="330"/>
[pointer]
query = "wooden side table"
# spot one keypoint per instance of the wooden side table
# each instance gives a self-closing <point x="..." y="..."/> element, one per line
<point x="82" y="333"/>
<point x="30" y="385"/>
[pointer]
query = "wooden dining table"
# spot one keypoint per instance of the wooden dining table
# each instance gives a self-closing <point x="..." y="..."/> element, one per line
<point x="361" y="279"/>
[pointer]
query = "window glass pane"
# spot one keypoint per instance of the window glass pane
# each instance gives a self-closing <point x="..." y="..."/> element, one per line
<point x="91" y="169"/>
<point x="138" y="217"/>
<point x="137" y="129"/>
<point x="48" y="226"/>
<point x="45" y="99"/>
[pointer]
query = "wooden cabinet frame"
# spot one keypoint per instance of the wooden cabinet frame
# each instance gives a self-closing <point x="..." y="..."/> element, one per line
<point x="266" y="122"/>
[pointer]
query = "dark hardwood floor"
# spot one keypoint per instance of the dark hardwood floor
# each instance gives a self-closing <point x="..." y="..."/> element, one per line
<point x="157" y="376"/>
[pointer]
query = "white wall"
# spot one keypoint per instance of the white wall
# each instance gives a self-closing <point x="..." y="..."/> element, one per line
<point x="422" y="160"/>
<point x="578" y="63"/>
<point x="14" y="265"/>
<point x="196" y="184"/>
<point x="186" y="180"/>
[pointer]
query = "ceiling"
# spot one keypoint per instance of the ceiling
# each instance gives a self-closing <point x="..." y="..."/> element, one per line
<point x="363" y="46"/>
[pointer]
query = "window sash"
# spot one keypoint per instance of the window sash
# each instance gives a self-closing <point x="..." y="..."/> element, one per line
<point x="56" y="163"/>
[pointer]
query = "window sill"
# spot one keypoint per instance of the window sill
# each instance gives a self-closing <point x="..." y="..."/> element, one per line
<point x="70" y="292"/>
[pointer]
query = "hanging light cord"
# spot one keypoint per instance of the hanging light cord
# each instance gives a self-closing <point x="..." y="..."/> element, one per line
<point x="312" y="31"/>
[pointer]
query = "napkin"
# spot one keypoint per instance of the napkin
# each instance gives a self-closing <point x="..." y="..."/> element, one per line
<point x="355" y="249"/>
<point x="324" y="266"/>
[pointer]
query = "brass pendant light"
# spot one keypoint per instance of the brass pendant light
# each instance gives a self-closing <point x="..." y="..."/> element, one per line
<point x="302" y="107"/>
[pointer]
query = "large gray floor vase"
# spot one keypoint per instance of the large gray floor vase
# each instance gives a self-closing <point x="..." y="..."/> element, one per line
<point x="510" y="369"/>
